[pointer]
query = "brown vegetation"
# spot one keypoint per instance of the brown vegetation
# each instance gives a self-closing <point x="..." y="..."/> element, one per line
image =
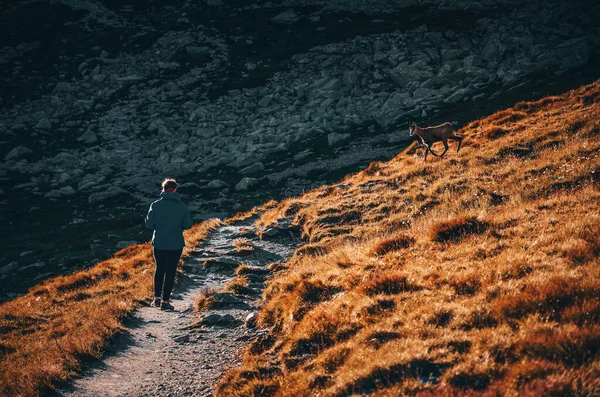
<point x="488" y="283"/>
<point x="47" y="332"/>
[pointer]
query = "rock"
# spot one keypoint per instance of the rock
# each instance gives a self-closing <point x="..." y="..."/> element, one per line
<point x="90" y="180"/>
<point x="471" y="60"/>
<point x="423" y="93"/>
<point x="362" y="61"/>
<point x="37" y="116"/>
<point x="181" y="338"/>
<point x="217" y="319"/>
<point x="397" y="138"/>
<point x="44" y="124"/>
<point x="246" y="183"/>
<point x="336" y="139"/>
<point x="63" y="86"/>
<point x="287" y="17"/>
<point x="168" y="65"/>
<point x="493" y="48"/>
<point x="133" y="78"/>
<point x="250" y="66"/>
<point x="125" y="243"/>
<point x="405" y="74"/>
<point x="216" y="184"/>
<point x="226" y="298"/>
<point x="457" y="96"/>
<point x="182" y="148"/>
<point x="265" y="101"/>
<point x="393" y="108"/>
<point x="218" y="264"/>
<point x="84" y="104"/>
<point x="63" y="191"/>
<point x="88" y="137"/>
<point x="10" y="268"/>
<point x="17" y="153"/>
<point x="250" y="320"/>
<point x="567" y="55"/>
<point x="253" y="168"/>
<point x="112" y="192"/>
<point x="325" y="86"/>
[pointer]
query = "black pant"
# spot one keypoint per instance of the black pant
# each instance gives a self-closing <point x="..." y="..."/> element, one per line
<point x="166" y="267"/>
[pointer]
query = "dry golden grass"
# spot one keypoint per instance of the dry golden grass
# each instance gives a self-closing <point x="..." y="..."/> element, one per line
<point x="473" y="275"/>
<point x="205" y="300"/>
<point x="47" y="332"/>
<point x="243" y="246"/>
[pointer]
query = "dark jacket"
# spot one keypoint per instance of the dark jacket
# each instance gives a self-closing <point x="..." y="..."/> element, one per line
<point x="168" y="217"/>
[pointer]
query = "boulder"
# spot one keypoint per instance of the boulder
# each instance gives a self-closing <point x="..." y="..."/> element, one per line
<point x="44" y="124"/>
<point x="90" y="180"/>
<point x="336" y="139"/>
<point x="246" y="184"/>
<point x="217" y="319"/>
<point x="393" y="108"/>
<point x="182" y="148"/>
<point x="88" y="137"/>
<point x="216" y="184"/>
<point x="226" y="298"/>
<point x="125" y="243"/>
<point x="325" y="86"/>
<point x="458" y="95"/>
<point x="58" y="193"/>
<point x="405" y="74"/>
<point x="253" y="168"/>
<point x="250" y="320"/>
<point x="265" y="101"/>
<point x="219" y="264"/>
<point x="112" y="192"/>
<point x="287" y="17"/>
<point x="133" y="78"/>
<point x="493" y="48"/>
<point x="17" y="153"/>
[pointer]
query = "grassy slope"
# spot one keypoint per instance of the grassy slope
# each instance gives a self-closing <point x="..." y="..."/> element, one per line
<point x="45" y="333"/>
<point x="476" y="274"/>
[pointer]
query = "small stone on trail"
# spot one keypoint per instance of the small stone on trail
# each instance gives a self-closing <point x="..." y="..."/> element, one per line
<point x="250" y="321"/>
<point x="217" y="319"/>
<point x="226" y="297"/>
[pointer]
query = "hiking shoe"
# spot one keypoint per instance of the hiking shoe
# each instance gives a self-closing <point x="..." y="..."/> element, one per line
<point x="155" y="302"/>
<point x="166" y="306"/>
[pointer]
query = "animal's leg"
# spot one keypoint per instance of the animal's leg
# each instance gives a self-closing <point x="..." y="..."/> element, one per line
<point x="459" y="139"/>
<point x="445" y="148"/>
<point x="432" y="152"/>
<point x="426" y="151"/>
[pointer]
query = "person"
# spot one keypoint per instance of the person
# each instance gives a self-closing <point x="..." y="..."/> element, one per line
<point x="168" y="217"/>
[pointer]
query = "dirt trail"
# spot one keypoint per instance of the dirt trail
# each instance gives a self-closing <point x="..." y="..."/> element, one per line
<point x="160" y="354"/>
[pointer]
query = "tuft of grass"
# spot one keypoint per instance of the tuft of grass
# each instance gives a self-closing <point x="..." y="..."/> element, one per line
<point x="547" y="298"/>
<point x="457" y="228"/>
<point x="205" y="300"/>
<point x="394" y="243"/>
<point x="495" y="132"/>
<point x="243" y="246"/>
<point x="239" y="286"/>
<point x="390" y="284"/>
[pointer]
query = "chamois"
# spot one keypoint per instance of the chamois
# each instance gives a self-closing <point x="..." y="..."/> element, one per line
<point x="431" y="135"/>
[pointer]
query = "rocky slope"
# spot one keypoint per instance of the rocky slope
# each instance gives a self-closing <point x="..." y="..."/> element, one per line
<point x="243" y="102"/>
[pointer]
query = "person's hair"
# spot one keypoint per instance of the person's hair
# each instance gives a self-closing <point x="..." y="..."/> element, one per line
<point x="169" y="184"/>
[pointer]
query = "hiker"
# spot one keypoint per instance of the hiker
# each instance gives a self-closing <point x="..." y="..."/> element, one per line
<point x="168" y="217"/>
